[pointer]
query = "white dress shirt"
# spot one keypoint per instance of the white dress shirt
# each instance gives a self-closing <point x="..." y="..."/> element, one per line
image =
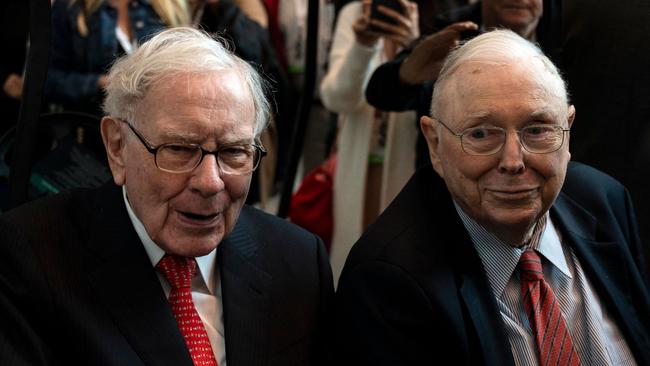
<point x="206" y="288"/>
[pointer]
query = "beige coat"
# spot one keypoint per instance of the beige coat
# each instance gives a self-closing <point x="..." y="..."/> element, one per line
<point x="342" y="91"/>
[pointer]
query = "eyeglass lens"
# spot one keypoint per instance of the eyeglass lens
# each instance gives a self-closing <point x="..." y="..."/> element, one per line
<point x="536" y="139"/>
<point x="240" y="159"/>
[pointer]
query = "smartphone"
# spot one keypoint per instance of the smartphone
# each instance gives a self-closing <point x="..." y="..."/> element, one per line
<point x="376" y="14"/>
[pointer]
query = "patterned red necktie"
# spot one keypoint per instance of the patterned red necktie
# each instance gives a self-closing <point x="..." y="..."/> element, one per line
<point x="179" y="272"/>
<point x="554" y="343"/>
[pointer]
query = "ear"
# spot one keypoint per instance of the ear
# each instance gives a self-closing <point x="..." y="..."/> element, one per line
<point x="430" y="132"/>
<point x="114" y="144"/>
<point x="571" y="115"/>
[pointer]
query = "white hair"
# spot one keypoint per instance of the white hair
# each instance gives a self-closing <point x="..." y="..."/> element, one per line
<point x="500" y="47"/>
<point x="177" y="51"/>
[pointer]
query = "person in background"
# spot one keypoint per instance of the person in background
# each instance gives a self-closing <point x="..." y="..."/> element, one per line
<point x="428" y="11"/>
<point x="88" y="35"/>
<point x="501" y="252"/>
<point x="166" y="265"/>
<point x="250" y="40"/>
<point x="406" y="82"/>
<point x="363" y="175"/>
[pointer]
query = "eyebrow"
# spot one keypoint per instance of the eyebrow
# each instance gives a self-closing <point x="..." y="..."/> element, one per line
<point x="478" y="118"/>
<point x="544" y="113"/>
<point x="194" y="138"/>
<point x="244" y="141"/>
<point x="172" y="135"/>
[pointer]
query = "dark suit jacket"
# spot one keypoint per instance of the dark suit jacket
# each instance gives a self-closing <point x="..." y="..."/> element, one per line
<point x="414" y="291"/>
<point x="77" y="288"/>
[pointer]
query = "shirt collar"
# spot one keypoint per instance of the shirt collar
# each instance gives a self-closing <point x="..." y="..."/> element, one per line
<point x="550" y="246"/>
<point x="500" y="259"/>
<point x="205" y="264"/>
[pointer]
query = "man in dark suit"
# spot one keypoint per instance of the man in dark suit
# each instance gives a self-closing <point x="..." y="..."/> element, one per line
<point x="166" y="266"/>
<point x="509" y="255"/>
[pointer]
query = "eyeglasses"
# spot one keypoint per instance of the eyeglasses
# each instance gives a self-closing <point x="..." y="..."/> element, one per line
<point x="233" y="159"/>
<point x="537" y="138"/>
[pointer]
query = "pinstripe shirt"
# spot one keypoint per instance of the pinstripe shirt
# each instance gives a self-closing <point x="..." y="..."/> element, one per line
<point x="596" y="337"/>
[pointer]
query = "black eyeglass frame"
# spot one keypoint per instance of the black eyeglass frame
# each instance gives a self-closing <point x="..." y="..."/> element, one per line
<point x="503" y="143"/>
<point x="261" y="152"/>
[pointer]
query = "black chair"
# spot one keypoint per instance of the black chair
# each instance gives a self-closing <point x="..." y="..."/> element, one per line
<point x="68" y="153"/>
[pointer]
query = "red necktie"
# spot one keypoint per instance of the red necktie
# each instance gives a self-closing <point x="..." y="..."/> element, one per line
<point x="179" y="272"/>
<point x="554" y="343"/>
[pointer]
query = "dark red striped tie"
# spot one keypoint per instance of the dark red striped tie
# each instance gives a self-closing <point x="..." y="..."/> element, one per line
<point x="179" y="272"/>
<point x="554" y="343"/>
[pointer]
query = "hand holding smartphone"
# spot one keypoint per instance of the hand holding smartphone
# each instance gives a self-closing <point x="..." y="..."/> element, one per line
<point x="376" y="14"/>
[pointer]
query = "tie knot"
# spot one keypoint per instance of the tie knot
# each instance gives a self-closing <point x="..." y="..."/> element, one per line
<point x="177" y="270"/>
<point x="530" y="266"/>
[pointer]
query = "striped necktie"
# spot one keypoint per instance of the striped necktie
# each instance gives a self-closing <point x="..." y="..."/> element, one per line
<point x="179" y="272"/>
<point x="552" y="337"/>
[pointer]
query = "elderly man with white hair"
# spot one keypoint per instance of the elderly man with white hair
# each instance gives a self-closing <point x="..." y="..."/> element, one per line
<point x="501" y="252"/>
<point x="166" y="265"/>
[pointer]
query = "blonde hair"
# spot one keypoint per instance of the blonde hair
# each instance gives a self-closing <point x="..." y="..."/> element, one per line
<point x="174" y="13"/>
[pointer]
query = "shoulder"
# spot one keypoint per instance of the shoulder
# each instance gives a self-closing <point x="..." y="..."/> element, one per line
<point x="266" y="223"/>
<point x="50" y="210"/>
<point x="280" y="248"/>
<point x="276" y="235"/>
<point x="410" y="234"/>
<point x="59" y="216"/>
<point x="41" y="230"/>
<point x="594" y="196"/>
<point x="587" y="185"/>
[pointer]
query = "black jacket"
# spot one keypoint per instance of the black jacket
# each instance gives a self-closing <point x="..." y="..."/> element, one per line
<point x="414" y="292"/>
<point x="77" y="288"/>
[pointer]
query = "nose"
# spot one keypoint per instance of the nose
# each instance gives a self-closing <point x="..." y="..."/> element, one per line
<point x="206" y="178"/>
<point x="512" y="155"/>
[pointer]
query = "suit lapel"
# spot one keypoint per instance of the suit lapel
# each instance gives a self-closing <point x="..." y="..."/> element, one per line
<point x="475" y="292"/>
<point x="599" y="258"/>
<point x="473" y="285"/>
<point x="604" y="265"/>
<point x="126" y="283"/>
<point x="246" y="298"/>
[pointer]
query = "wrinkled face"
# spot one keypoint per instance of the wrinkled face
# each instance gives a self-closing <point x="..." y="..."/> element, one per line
<point x="508" y="191"/>
<point x="521" y="16"/>
<point x="190" y="213"/>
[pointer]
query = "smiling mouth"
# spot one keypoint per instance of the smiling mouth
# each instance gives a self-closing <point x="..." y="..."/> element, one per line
<point x="521" y="194"/>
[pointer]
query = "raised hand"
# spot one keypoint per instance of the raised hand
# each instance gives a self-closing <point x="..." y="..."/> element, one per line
<point x="402" y="33"/>
<point x="405" y="30"/>
<point x="361" y="26"/>
<point x="13" y="86"/>
<point x="425" y="61"/>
